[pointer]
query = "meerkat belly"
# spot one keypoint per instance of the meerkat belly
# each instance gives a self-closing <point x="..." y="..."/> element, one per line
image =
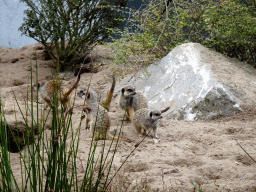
<point x="150" y="125"/>
<point x="125" y="102"/>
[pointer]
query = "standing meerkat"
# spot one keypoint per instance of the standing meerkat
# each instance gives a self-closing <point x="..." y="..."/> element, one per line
<point x="146" y="119"/>
<point x="54" y="88"/>
<point x="97" y="118"/>
<point x="131" y="101"/>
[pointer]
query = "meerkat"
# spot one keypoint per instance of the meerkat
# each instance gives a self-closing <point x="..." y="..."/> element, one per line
<point x="146" y="119"/>
<point x="97" y="118"/>
<point x="131" y="101"/>
<point x="54" y="88"/>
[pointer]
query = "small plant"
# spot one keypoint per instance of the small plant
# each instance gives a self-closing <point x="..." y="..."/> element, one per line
<point x="49" y="162"/>
<point x="197" y="187"/>
<point x="247" y="153"/>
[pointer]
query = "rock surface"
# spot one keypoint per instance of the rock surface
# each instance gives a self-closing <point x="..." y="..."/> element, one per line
<point x="196" y="83"/>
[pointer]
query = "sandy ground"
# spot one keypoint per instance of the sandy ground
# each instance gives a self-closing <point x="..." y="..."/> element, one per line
<point x="205" y="152"/>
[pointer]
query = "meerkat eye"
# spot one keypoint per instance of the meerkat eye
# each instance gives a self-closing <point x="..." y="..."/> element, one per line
<point x="157" y="114"/>
<point x="81" y="93"/>
<point x="129" y="90"/>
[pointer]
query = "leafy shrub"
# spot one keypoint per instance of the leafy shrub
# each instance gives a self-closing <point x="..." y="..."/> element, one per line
<point x="71" y="27"/>
<point x="232" y="25"/>
<point x="228" y="26"/>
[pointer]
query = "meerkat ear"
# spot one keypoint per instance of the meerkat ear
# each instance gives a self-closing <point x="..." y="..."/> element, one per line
<point x="150" y="114"/>
<point x="88" y="96"/>
<point x="123" y="90"/>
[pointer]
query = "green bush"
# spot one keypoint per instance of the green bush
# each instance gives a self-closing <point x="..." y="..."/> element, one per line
<point x="232" y="25"/>
<point x="228" y="26"/>
<point x="69" y="29"/>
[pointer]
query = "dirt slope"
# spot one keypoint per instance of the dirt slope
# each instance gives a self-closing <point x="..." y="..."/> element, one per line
<point x="203" y="152"/>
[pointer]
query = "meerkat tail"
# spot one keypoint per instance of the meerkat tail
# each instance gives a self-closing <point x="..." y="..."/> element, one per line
<point x="164" y="110"/>
<point x="74" y="86"/>
<point x="111" y="137"/>
<point x="130" y="113"/>
<point x="106" y="103"/>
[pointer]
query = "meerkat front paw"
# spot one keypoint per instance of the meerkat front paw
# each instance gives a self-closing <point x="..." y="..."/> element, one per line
<point x="156" y="140"/>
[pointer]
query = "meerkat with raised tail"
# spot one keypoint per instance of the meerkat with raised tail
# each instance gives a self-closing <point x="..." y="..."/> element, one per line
<point x="54" y="88"/>
<point x="97" y="118"/>
<point x="146" y="119"/>
<point x="131" y="101"/>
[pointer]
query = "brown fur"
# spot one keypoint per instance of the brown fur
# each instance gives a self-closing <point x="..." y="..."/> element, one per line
<point x="131" y="101"/>
<point x="97" y="118"/>
<point x="146" y="119"/>
<point x="54" y="88"/>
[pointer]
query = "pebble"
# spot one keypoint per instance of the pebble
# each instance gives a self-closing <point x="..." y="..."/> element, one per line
<point x="168" y="171"/>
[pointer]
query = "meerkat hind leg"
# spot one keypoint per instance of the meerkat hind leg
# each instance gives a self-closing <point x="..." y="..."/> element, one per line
<point x="155" y="133"/>
<point x="144" y="132"/>
<point x="87" y="123"/>
<point x="46" y="107"/>
<point x="128" y="116"/>
<point x="48" y="104"/>
<point x="138" y="129"/>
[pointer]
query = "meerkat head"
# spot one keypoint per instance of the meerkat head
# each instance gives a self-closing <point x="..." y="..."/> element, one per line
<point x="88" y="94"/>
<point x="38" y="85"/>
<point x="155" y="115"/>
<point x="128" y="91"/>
